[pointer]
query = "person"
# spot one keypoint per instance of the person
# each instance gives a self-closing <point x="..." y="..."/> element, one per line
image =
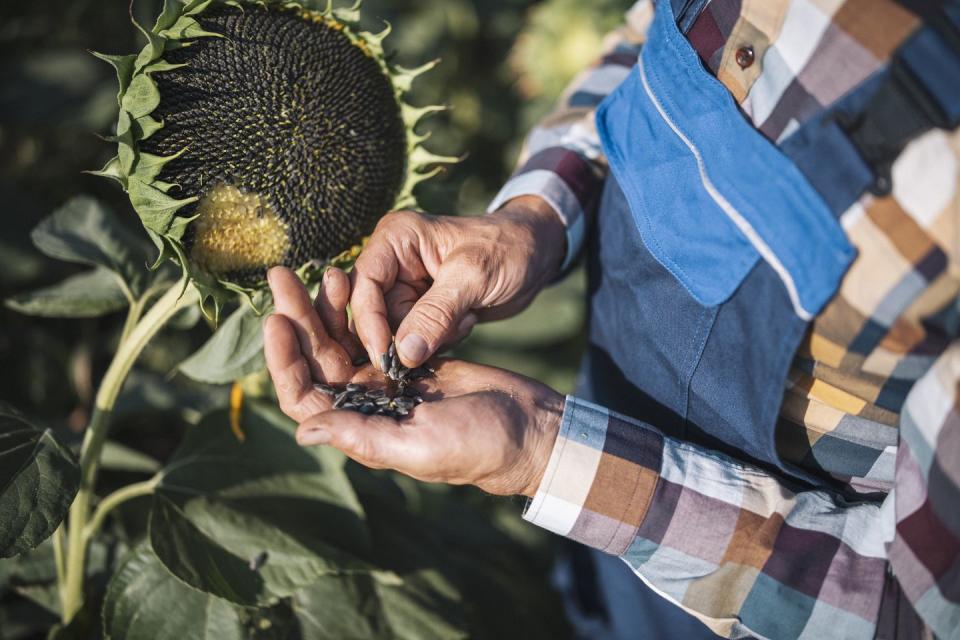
<point x="766" y="429"/>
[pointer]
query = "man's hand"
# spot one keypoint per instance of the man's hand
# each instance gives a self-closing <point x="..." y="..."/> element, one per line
<point x="480" y="425"/>
<point x="433" y="277"/>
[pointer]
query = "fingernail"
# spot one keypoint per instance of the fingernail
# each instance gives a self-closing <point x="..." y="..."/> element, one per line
<point x="413" y="348"/>
<point x="314" y="436"/>
<point x="467" y="323"/>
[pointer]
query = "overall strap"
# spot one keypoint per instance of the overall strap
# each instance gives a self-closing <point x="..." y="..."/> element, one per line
<point x="851" y="149"/>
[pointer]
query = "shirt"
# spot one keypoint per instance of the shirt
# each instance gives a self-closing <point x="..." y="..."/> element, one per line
<point x="870" y="404"/>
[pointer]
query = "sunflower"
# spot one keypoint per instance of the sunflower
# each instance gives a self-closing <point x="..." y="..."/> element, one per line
<point x="257" y="133"/>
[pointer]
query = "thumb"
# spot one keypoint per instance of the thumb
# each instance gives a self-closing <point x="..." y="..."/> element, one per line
<point x="437" y="316"/>
<point x="373" y="441"/>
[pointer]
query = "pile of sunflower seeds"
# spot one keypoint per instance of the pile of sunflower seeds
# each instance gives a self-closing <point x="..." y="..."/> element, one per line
<point x="396" y="401"/>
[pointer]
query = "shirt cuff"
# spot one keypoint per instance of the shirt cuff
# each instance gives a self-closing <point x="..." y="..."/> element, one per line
<point x="600" y="479"/>
<point x="567" y="182"/>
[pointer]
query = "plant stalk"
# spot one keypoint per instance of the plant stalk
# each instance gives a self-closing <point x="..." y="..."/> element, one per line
<point x="176" y="298"/>
<point x="59" y="540"/>
<point x="114" y="500"/>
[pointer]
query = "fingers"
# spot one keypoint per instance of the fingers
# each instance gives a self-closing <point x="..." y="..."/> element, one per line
<point x="373" y="441"/>
<point x="439" y="315"/>
<point x="331" y="304"/>
<point x="401" y="298"/>
<point x="289" y="370"/>
<point x="326" y="359"/>
<point x="401" y="248"/>
<point x="370" y="318"/>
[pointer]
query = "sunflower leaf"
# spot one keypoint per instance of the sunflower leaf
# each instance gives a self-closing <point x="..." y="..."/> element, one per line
<point x="223" y="502"/>
<point x="39" y="478"/>
<point x="145" y="602"/>
<point x="85" y="295"/>
<point x="85" y="231"/>
<point x="233" y="351"/>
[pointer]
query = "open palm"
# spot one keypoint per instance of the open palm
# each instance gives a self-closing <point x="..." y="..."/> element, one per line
<point x="481" y="425"/>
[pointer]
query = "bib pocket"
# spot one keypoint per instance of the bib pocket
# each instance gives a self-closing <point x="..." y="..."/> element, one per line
<point x="709" y="194"/>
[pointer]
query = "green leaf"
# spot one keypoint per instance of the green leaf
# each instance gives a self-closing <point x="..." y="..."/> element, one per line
<point x="145" y="602"/>
<point x="232" y="352"/>
<point x="156" y="208"/>
<point x="124" y="68"/>
<point x="118" y="457"/>
<point x="85" y="231"/>
<point x="223" y="502"/>
<point x="38" y="481"/>
<point x="85" y="295"/>
<point x="361" y="606"/>
<point x="141" y="97"/>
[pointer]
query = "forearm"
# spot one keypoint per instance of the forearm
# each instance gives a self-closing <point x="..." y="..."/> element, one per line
<point x="731" y="543"/>
<point x="562" y="160"/>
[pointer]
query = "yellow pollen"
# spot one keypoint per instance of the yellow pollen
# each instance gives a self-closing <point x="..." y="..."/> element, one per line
<point x="236" y="231"/>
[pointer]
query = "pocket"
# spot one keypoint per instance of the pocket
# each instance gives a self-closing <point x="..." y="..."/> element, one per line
<point x="680" y="223"/>
<point x="709" y="194"/>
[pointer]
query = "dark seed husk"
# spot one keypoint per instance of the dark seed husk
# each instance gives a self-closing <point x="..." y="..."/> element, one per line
<point x="353" y="386"/>
<point x="340" y="399"/>
<point x="325" y="388"/>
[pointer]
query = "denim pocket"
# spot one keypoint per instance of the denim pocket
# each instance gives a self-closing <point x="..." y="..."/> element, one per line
<point x="709" y="194"/>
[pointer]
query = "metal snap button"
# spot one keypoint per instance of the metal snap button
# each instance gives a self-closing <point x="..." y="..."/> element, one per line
<point x="745" y="56"/>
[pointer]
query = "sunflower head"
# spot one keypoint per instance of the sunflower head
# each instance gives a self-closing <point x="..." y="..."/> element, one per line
<point x="257" y="133"/>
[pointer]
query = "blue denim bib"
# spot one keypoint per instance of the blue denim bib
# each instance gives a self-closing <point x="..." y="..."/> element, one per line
<point x="712" y="253"/>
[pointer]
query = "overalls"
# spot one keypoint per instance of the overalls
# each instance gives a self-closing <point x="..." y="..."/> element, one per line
<point x="713" y="248"/>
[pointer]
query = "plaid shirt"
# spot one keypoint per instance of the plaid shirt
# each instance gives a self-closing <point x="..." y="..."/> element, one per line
<point x="871" y="401"/>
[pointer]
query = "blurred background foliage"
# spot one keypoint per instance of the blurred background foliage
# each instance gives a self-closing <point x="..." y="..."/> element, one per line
<point x="504" y="62"/>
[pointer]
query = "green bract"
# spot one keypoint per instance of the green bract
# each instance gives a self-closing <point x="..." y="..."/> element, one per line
<point x="253" y="133"/>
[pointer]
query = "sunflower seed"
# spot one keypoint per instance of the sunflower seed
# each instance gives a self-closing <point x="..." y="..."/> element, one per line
<point x="353" y="386"/>
<point x="258" y="561"/>
<point x="340" y="399"/>
<point x="325" y="388"/>
<point x="384" y="363"/>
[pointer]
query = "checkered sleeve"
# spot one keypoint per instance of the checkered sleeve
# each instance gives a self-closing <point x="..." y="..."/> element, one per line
<point x="562" y="160"/>
<point x="741" y="549"/>
<point x="925" y="552"/>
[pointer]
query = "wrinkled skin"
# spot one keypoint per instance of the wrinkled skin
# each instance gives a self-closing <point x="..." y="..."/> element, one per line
<point x="481" y="425"/>
<point x="431" y="278"/>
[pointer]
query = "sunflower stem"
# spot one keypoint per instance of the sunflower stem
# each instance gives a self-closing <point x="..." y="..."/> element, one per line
<point x="114" y="500"/>
<point x="175" y="299"/>
<point x="59" y="559"/>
